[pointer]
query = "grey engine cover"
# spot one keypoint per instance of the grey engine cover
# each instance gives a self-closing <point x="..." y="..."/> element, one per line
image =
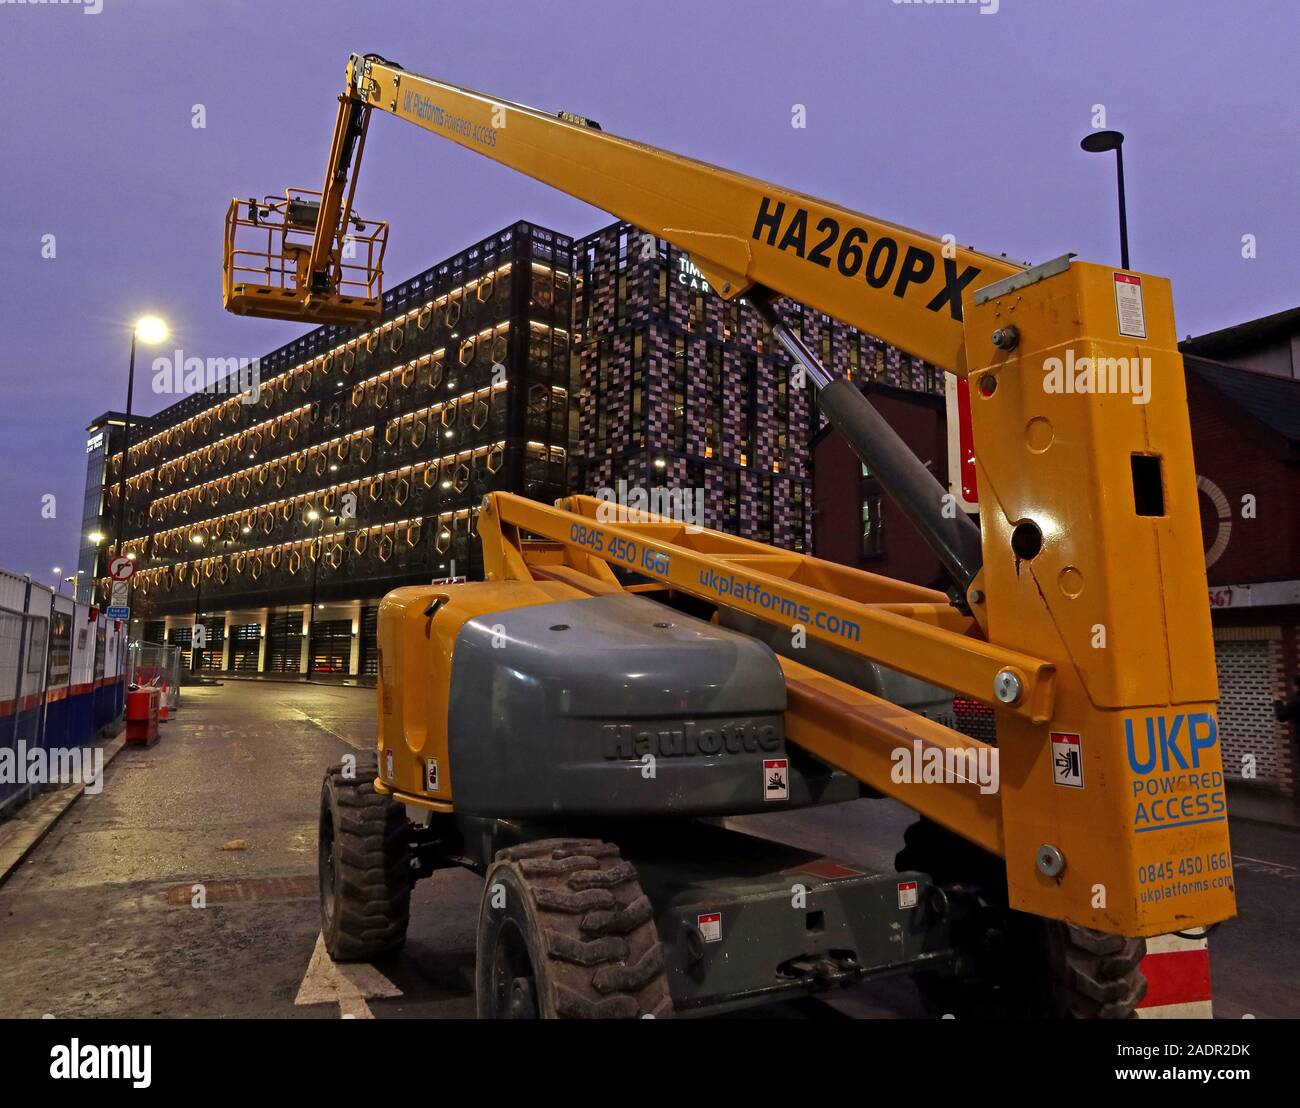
<point x="555" y="720"/>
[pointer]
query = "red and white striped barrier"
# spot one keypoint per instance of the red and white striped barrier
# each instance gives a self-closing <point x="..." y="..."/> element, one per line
<point x="1178" y="979"/>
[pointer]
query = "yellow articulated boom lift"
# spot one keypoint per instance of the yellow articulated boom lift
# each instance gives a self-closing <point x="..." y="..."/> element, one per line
<point x="568" y="726"/>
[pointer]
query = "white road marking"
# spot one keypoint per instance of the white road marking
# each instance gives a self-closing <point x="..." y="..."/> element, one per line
<point x="354" y="743"/>
<point x="348" y="985"/>
<point x="1263" y="861"/>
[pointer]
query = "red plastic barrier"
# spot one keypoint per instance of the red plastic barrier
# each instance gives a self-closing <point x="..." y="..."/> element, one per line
<point x="142" y="713"/>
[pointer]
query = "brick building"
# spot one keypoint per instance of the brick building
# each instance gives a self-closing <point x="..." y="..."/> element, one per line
<point x="1246" y="438"/>
<point x="1270" y="344"/>
<point x="854" y="522"/>
<point x="1245" y="421"/>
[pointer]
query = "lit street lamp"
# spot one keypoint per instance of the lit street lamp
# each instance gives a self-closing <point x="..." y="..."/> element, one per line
<point x="148" y="329"/>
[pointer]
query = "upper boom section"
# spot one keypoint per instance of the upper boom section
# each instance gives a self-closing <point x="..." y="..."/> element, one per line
<point x="741" y="232"/>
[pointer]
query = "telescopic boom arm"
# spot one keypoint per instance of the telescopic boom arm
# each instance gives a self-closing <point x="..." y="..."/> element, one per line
<point x="748" y="237"/>
<point x="745" y="235"/>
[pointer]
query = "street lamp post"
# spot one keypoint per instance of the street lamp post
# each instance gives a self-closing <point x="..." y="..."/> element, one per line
<point x="1096" y="143"/>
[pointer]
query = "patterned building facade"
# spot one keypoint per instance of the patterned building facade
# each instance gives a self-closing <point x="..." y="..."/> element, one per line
<point x="674" y="387"/>
<point x="277" y="518"/>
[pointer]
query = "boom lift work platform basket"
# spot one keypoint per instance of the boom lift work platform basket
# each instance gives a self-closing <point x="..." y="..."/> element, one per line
<point x="266" y="267"/>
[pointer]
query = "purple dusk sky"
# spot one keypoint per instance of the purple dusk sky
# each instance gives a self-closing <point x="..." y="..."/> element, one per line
<point x="938" y="116"/>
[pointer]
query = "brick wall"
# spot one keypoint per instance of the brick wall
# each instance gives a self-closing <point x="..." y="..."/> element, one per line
<point x="1241" y="456"/>
<point x="1256" y="649"/>
<point x="838" y="492"/>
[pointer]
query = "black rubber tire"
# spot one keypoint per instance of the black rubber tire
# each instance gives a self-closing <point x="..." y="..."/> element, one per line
<point x="565" y="932"/>
<point x="364" y="863"/>
<point x="1020" y="965"/>
<point x="1097" y="974"/>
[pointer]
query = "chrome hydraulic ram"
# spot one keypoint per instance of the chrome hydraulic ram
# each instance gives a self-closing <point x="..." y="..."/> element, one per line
<point x="948" y="531"/>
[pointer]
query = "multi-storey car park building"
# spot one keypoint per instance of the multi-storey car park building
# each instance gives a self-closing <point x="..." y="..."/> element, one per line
<point x="280" y="523"/>
<point x="529" y="363"/>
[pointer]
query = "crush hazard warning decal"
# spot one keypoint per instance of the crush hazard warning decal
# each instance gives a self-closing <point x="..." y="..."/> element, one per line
<point x="431" y="775"/>
<point x="1129" y="311"/>
<point x="776" y="779"/>
<point x="1067" y="759"/>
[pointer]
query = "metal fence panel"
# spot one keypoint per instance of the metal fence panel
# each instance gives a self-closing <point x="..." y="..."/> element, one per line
<point x="157" y="665"/>
<point x="62" y="668"/>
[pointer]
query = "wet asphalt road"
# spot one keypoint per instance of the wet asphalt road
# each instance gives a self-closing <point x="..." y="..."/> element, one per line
<point x="99" y="920"/>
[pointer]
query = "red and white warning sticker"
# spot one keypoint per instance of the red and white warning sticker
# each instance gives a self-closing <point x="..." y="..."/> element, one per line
<point x="710" y="925"/>
<point x="431" y="775"/>
<point x="907" y="893"/>
<point x="1067" y="759"/>
<point x="1129" y="311"/>
<point x="776" y="779"/>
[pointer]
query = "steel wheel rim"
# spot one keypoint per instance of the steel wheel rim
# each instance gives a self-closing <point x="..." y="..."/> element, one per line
<point x="514" y="982"/>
